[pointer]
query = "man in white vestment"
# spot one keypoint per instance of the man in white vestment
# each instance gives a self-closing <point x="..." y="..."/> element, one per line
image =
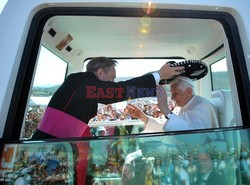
<point x="191" y="111"/>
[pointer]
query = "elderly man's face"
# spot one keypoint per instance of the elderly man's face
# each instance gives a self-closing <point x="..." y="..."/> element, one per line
<point x="205" y="163"/>
<point x="179" y="96"/>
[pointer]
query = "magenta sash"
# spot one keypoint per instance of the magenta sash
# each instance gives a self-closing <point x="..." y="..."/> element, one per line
<point x="62" y="125"/>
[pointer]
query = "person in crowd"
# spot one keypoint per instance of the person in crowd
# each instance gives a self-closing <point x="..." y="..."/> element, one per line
<point x="192" y="111"/>
<point x="183" y="174"/>
<point x="207" y="175"/>
<point x="75" y="102"/>
<point x="192" y="169"/>
<point x="101" y="131"/>
<point x="158" y="171"/>
<point x="127" y="174"/>
<point x="138" y="165"/>
<point x="168" y="179"/>
<point x="244" y="167"/>
<point x="99" y="148"/>
<point x="149" y="166"/>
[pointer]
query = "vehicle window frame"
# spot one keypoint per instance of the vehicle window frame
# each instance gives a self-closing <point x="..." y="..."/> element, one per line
<point x="19" y="99"/>
<point x="66" y="72"/>
<point x="211" y="73"/>
<point x="31" y="87"/>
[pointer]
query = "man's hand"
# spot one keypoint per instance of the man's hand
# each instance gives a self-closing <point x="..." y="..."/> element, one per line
<point x="167" y="72"/>
<point x="135" y="112"/>
<point x="162" y="100"/>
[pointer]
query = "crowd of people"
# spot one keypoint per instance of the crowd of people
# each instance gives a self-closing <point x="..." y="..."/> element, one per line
<point x="111" y="113"/>
<point x="108" y="159"/>
<point x="32" y="119"/>
<point x="105" y="113"/>
<point x="175" y="167"/>
<point x="40" y="166"/>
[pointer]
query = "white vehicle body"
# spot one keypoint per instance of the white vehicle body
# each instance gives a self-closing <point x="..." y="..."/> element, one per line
<point x="211" y="31"/>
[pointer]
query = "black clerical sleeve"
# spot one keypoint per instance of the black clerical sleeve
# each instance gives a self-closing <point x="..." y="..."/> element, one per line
<point x="80" y="93"/>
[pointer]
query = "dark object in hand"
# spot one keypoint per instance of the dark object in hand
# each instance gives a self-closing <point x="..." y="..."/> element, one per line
<point x="194" y="69"/>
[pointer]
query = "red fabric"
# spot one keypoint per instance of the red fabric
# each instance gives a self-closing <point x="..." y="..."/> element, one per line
<point x="110" y="130"/>
<point x="62" y="125"/>
<point x="82" y="165"/>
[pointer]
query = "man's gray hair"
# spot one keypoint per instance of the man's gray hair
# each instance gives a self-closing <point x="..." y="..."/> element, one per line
<point x="100" y="62"/>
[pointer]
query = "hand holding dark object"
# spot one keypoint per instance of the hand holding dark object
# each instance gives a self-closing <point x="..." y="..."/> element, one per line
<point x="167" y="71"/>
<point x="193" y="69"/>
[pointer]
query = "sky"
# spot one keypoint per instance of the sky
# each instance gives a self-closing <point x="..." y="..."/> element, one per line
<point x="220" y="66"/>
<point x="50" y="70"/>
<point x="2" y="4"/>
<point x="134" y="68"/>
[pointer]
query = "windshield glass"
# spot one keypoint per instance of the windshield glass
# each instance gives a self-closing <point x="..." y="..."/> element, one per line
<point x="216" y="157"/>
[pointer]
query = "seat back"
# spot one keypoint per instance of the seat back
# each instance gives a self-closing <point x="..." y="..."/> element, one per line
<point x="222" y="101"/>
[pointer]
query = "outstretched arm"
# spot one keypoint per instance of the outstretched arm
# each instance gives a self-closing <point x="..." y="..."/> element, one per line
<point x="110" y="92"/>
<point x="135" y="112"/>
